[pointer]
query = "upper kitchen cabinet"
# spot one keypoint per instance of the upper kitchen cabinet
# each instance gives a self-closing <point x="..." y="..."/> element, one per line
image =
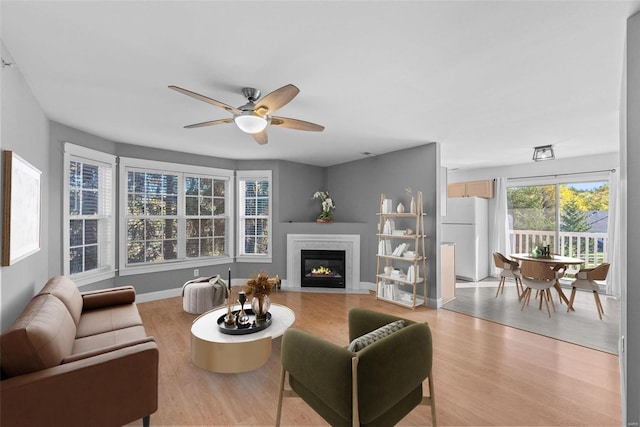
<point x="482" y="189"/>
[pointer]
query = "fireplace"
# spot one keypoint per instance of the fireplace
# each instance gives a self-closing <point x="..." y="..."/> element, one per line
<point x="322" y="268"/>
<point x="349" y="243"/>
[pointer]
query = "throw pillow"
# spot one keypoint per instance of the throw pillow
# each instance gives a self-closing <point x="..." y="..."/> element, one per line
<point x="361" y="342"/>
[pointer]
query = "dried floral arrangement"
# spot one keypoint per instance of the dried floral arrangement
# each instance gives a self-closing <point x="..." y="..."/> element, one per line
<point x="260" y="285"/>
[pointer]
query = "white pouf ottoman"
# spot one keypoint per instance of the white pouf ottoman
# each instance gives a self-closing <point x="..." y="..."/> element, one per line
<point x="203" y="294"/>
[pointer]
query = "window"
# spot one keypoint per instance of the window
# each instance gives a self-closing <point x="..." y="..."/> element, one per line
<point x="254" y="216"/>
<point x="206" y="223"/>
<point x="88" y="219"/>
<point x="176" y="216"/>
<point x="571" y="217"/>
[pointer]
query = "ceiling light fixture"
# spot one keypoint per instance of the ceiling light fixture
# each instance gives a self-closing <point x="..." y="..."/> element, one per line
<point x="250" y="122"/>
<point x="543" y="152"/>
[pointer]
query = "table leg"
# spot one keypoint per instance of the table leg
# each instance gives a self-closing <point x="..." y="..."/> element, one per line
<point x="561" y="294"/>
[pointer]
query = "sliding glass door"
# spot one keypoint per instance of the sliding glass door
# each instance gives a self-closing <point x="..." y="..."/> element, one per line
<point x="584" y="219"/>
<point x="532" y="217"/>
<point x="571" y="218"/>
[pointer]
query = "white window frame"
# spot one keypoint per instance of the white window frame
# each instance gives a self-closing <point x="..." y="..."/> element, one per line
<point x="182" y="261"/>
<point x="257" y="175"/>
<point x="106" y="238"/>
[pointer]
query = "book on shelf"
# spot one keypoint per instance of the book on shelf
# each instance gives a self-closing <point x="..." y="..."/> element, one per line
<point x="387" y="290"/>
<point x="399" y="250"/>
<point x="413" y="273"/>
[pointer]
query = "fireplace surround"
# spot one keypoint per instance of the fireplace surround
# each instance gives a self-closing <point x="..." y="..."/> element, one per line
<point x="349" y="243"/>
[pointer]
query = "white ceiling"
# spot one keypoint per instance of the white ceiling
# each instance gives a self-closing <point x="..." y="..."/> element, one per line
<point x="487" y="80"/>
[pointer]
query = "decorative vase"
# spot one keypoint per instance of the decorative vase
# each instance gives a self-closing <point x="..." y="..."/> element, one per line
<point x="260" y="306"/>
<point x="400" y="208"/>
<point x="412" y="206"/>
<point x="388" y="270"/>
<point x="324" y="220"/>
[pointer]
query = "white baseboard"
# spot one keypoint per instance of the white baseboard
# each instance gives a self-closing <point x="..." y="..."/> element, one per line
<point x="154" y="296"/>
<point x="365" y="287"/>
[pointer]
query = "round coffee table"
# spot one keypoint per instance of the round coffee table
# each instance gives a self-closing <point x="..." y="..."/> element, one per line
<point x="218" y="352"/>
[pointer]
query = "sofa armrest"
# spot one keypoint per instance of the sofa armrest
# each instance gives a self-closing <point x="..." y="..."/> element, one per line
<point x="104" y="350"/>
<point x="321" y="368"/>
<point x="115" y="388"/>
<point x="108" y="297"/>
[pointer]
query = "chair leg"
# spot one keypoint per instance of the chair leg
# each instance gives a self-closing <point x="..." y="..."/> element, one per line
<point x="279" y="413"/>
<point x="433" y="401"/>
<point x="573" y="297"/>
<point x="543" y="296"/>
<point x="519" y="288"/>
<point x="551" y="300"/>
<point x="525" y="297"/>
<point x="598" y="304"/>
<point x="355" y="408"/>
<point x="146" y="421"/>
<point x="500" y="286"/>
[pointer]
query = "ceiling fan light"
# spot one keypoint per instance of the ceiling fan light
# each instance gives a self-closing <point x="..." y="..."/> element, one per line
<point x="250" y="122"/>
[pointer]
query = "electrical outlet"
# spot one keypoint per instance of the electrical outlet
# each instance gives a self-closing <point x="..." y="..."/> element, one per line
<point x="196" y="272"/>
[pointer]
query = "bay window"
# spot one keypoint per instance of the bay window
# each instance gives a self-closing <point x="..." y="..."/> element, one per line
<point x="174" y="216"/>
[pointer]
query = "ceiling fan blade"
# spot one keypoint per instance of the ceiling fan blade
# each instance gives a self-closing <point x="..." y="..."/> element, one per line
<point x="209" y="123"/>
<point x="276" y="99"/>
<point x="296" y="124"/>
<point x="261" y="137"/>
<point x="203" y="98"/>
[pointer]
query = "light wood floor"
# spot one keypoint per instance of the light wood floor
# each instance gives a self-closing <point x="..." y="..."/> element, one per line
<point x="485" y="373"/>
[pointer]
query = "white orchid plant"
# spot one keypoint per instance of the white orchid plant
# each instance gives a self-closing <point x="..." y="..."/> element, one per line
<point x="327" y="204"/>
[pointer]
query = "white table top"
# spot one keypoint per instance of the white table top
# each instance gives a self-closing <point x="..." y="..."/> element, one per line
<point x="206" y="327"/>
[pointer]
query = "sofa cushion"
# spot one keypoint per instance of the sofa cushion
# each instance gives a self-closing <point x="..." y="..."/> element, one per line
<point x="108" y="297"/>
<point x="108" y="319"/>
<point x="40" y="337"/>
<point x="375" y="335"/>
<point x="66" y="291"/>
<point x="106" y="339"/>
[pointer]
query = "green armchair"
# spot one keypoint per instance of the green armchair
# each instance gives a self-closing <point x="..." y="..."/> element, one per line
<point x="376" y="386"/>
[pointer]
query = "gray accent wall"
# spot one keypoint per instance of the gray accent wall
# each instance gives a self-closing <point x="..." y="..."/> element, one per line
<point x="631" y="314"/>
<point x="25" y="131"/>
<point x="357" y="186"/>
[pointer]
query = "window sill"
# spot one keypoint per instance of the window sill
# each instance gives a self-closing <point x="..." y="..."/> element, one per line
<point x="89" y="278"/>
<point x="177" y="265"/>
<point x="253" y="258"/>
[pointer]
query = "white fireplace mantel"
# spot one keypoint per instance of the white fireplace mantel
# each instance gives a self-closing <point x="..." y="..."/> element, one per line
<point x="350" y="243"/>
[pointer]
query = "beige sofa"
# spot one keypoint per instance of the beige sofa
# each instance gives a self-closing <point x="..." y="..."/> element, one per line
<point x="78" y="359"/>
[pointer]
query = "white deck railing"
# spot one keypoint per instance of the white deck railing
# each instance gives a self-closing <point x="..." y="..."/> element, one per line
<point x="591" y="247"/>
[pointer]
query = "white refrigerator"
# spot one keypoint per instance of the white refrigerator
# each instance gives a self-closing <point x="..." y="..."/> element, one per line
<point x="467" y="225"/>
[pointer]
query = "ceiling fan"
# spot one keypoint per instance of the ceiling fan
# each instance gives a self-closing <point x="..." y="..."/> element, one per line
<point x="254" y="116"/>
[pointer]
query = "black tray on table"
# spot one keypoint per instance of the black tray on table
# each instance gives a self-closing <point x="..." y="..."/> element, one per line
<point x="253" y="326"/>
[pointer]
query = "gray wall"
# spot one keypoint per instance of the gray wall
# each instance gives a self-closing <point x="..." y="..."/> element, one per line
<point x="630" y="308"/>
<point x="356" y="187"/>
<point x="25" y="130"/>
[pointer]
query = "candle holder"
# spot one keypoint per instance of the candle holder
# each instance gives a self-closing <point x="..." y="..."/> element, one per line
<point x="242" y="320"/>
<point x="229" y="318"/>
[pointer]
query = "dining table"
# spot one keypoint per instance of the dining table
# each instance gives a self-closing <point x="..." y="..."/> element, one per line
<point x="555" y="262"/>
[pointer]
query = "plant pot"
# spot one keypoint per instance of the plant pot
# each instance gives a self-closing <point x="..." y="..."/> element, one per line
<point x="260" y="307"/>
<point x="323" y="220"/>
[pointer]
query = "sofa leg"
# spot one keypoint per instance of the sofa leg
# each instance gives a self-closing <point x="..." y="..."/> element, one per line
<point x="146" y="421"/>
